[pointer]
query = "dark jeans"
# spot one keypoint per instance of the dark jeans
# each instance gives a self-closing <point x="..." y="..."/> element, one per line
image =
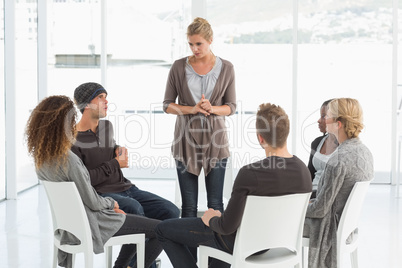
<point x="135" y="224"/>
<point x="139" y="202"/>
<point x="177" y="235"/>
<point x="189" y="188"/>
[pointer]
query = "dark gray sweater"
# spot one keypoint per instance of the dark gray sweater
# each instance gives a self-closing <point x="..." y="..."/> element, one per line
<point x="272" y="176"/>
<point x="97" y="152"/>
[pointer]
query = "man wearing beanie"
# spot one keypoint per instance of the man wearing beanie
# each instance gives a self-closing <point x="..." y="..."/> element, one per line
<point x="96" y="147"/>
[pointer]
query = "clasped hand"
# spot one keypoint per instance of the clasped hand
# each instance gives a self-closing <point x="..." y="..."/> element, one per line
<point x="203" y="106"/>
<point x="122" y="156"/>
<point x="117" y="209"/>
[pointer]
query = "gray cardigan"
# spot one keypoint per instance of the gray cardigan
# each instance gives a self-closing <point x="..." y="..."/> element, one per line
<point x="350" y="163"/>
<point x="195" y="144"/>
<point x="103" y="221"/>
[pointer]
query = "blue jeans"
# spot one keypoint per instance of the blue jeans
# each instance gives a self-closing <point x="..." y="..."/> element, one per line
<point x="189" y="188"/>
<point x="139" y="202"/>
<point x="178" y="235"/>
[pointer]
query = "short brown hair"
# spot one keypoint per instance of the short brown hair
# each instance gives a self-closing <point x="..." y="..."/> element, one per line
<point x="272" y="124"/>
<point x="202" y="27"/>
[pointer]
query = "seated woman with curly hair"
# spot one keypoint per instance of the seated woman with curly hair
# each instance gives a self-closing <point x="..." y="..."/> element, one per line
<point x="50" y="133"/>
<point x="352" y="162"/>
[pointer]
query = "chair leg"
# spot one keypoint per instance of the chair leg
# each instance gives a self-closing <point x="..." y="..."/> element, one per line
<point x="304" y="256"/>
<point x="55" y="250"/>
<point x="73" y="261"/>
<point x="88" y="260"/>
<point x="141" y="254"/>
<point x="353" y="259"/>
<point x="108" y="255"/>
<point x="202" y="259"/>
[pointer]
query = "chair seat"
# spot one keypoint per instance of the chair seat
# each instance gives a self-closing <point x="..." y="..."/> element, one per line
<point x="125" y="239"/>
<point x="275" y="256"/>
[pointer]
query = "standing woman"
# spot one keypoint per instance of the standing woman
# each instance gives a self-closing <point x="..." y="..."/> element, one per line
<point x="50" y="133"/>
<point x="204" y="85"/>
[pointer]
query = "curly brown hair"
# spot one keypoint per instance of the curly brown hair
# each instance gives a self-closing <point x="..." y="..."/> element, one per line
<point x="51" y="130"/>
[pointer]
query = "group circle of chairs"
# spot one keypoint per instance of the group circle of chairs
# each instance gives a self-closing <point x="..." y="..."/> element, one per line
<point x="279" y="230"/>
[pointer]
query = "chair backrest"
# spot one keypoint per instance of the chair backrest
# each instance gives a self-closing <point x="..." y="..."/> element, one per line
<point x="351" y="213"/>
<point x="271" y="222"/>
<point x="68" y="211"/>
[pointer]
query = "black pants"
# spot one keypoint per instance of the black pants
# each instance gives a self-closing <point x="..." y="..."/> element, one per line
<point x="135" y="224"/>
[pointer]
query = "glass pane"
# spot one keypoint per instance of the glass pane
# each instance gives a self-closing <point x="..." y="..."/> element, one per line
<point x="74" y="45"/>
<point x="346" y="51"/>
<point x="257" y="39"/>
<point x="399" y="83"/>
<point x="2" y="107"/>
<point x="26" y="85"/>
<point x="144" y="38"/>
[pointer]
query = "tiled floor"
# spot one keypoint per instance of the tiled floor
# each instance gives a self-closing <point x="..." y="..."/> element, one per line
<point x="26" y="240"/>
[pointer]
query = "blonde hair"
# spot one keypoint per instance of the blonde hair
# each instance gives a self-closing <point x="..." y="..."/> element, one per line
<point x="202" y="27"/>
<point x="349" y="112"/>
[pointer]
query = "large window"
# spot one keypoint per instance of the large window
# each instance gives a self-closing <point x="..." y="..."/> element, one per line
<point x="399" y="90"/>
<point x="256" y="36"/>
<point x="144" y="38"/>
<point x="2" y="108"/>
<point x="346" y="51"/>
<point x="26" y="85"/>
<point x="74" y="45"/>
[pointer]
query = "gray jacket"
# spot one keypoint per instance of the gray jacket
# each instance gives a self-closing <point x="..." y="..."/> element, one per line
<point x="103" y="221"/>
<point x="351" y="162"/>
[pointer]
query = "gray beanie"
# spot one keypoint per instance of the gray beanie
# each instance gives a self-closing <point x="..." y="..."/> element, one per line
<point x="86" y="92"/>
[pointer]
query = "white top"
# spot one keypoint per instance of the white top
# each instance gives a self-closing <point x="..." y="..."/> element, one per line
<point x="202" y="84"/>
<point x="320" y="161"/>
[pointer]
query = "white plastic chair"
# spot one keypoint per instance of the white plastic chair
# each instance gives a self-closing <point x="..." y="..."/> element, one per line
<point x="348" y="224"/>
<point x="68" y="213"/>
<point x="274" y="223"/>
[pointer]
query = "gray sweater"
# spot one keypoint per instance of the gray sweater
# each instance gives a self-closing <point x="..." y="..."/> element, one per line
<point x="104" y="222"/>
<point x="352" y="162"/>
